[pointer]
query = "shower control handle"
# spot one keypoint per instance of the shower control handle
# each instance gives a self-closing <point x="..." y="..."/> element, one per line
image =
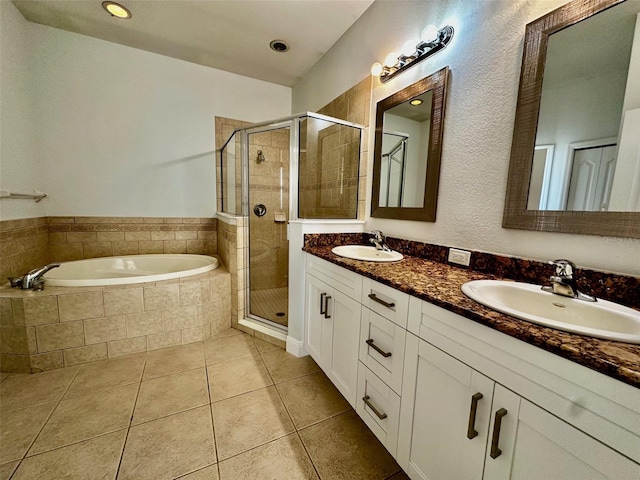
<point x="259" y="209"/>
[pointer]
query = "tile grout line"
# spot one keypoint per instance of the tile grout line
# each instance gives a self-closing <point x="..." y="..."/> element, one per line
<point x="213" y="427"/>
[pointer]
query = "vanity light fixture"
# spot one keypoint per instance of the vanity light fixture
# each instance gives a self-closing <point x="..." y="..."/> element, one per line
<point x="116" y="10"/>
<point x="432" y="41"/>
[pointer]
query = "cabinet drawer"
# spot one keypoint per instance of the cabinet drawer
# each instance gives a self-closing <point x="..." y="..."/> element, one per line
<point x="386" y="301"/>
<point x="376" y="400"/>
<point x="382" y="348"/>
<point x="347" y="282"/>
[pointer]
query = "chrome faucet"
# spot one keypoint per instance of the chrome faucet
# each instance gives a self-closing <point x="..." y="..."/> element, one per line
<point x="32" y="280"/>
<point x="564" y="282"/>
<point x="378" y="240"/>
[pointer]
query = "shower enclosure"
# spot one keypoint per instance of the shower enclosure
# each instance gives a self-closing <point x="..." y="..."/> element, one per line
<point x="300" y="167"/>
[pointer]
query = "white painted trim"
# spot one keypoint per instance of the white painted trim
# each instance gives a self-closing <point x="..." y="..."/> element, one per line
<point x="259" y="327"/>
<point x="296" y="347"/>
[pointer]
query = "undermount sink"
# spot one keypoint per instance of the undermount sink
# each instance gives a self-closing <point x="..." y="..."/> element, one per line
<point x="601" y="319"/>
<point x="368" y="254"/>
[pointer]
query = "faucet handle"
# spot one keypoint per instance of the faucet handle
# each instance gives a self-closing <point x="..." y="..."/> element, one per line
<point x="378" y="235"/>
<point x="564" y="268"/>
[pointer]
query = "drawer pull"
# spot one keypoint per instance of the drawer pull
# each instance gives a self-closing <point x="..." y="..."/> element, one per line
<point x="495" y="451"/>
<point x="322" y="304"/>
<point x="381" y="416"/>
<point x="377" y="348"/>
<point x="471" y="429"/>
<point x="373" y="297"/>
<point x="326" y="306"/>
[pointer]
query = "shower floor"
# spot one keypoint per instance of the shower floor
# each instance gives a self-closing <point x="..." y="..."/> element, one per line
<point x="268" y="303"/>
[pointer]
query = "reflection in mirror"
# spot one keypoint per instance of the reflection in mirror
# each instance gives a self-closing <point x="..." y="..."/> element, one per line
<point x="579" y="164"/>
<point x="405" y="141"/>
<point x="407" y="150"/>
<point x="575" y="156"/>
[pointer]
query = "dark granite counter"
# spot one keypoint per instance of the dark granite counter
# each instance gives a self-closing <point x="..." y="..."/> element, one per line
<point x="439" y="283"/>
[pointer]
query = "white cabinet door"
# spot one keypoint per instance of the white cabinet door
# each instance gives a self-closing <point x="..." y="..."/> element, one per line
<point x="344" y="315"/>
<point x="317" y="326"/>
<point x="532" y="444"/>
<point x="444" y="417"/>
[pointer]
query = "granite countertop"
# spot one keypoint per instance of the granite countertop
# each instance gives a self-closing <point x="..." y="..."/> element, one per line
<point x="440" y="283"/>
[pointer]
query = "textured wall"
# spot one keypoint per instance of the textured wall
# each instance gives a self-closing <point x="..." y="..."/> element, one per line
<point x="484" y="57"/>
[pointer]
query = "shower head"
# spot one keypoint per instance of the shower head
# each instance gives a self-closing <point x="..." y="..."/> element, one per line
<point x="260" y="158"/>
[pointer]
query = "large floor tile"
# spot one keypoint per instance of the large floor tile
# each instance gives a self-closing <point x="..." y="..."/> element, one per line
<point x="171" y="394"/>
<point x="169" y="447"/>
<point x="20" y="391"/>
<point x="19" y="428"/>
<point x="219" y="350"/>
<point x="282" y="458"/>
<point x="7" y="469"/>
<point x="81" y="418"/>
<point x="264" y="346"/>
<point x="107" y="374"/>
<point x="207" y="473"/>
<point x="227" y="333"/>
<point x="283" y="366"/>
<point x="311" y="399"/>
<point x="249" y="420"/>
<point x="237" y="376"/>
<point x="94" y="459"/>
<point x="173" y="360"/>
<point x="344" y="448"/>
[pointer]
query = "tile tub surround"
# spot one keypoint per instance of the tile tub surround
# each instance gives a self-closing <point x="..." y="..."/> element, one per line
<point x="439" y="283"/>
<point x="24" y="245"/>
<point x="64" y="326"/>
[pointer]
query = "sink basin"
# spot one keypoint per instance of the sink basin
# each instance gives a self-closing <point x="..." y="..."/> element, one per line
<point x="368" y="254"/>
<point x="601" y="319"/>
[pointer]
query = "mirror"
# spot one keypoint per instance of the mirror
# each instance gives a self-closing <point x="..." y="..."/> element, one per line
<point x="408" y="142"/>
<point x="575" y="158"/>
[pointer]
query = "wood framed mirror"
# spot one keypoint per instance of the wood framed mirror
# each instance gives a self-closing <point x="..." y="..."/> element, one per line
<point x="578" y="100"/>
<point x="408" y="145"/>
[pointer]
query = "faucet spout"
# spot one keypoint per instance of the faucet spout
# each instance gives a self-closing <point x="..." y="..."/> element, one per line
<point x="378" y="240"/>
<point x="565" y="283"/>
<point x="33" y="278"/>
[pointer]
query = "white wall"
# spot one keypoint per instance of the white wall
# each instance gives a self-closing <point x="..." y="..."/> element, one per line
<point x="484" y="57"/>
<point x="124" y="132"/>
<point x="20" y="166"/>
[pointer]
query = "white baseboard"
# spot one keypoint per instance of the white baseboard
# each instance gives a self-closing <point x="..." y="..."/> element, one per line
<point x="296" y="347"/>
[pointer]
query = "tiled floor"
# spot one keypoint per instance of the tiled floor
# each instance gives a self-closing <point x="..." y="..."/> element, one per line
<point x="232" y="407"/>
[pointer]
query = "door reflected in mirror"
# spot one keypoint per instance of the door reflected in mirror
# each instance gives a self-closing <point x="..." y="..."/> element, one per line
<point x="407" y="150"/>
<point x="587" y="153"/>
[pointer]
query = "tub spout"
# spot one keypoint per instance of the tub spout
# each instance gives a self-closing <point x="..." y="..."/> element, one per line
<point x="33" y="279"/>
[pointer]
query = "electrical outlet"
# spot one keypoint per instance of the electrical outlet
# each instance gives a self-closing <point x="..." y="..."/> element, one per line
<point x="461" y="257"/>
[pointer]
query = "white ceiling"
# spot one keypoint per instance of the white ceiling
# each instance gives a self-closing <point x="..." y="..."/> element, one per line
<point x="231" y="35"/>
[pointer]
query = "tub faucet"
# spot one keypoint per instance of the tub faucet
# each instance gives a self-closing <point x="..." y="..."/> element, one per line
<point x="33" y="279"/>
<point x="378" y="240"/>
<point x="564" y="282"/>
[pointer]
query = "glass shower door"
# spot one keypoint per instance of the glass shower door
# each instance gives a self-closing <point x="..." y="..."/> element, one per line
<point x="268" y="215"/>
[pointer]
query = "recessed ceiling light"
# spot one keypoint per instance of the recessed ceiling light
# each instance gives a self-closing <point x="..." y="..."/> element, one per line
<point x="279" y="45"/>
<point x="416" y="102"/>
<point x="116" y="10"/>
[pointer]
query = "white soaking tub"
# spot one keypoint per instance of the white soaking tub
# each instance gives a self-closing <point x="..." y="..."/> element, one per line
<point x="129" y="269"/>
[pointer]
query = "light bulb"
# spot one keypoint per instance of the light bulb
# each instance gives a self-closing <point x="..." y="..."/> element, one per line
<point x="376" y="69"/>
<point x="429" y="34"/>
<point x="409" y="48"/>
<point x="391" y="59"/>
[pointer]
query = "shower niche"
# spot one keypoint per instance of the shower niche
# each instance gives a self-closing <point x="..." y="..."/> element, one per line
<point x="300" y="167"/>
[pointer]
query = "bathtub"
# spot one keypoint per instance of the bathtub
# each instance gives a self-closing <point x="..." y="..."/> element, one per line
<point x="128" y="269"/>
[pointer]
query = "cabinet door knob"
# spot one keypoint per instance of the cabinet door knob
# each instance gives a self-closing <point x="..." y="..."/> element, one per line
<point x="377" y="348"/>
<point x="380" y="415"/>
<point x="375" y="298"/>
<point x="471" y="429"/>
<point x="326" y="306"/>
<point x="495" y="451"/>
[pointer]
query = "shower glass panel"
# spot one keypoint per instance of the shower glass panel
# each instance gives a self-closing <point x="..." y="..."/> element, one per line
<point x="328" y="169"/>
<point x="268" y="198"/>
<point x="231" y="175"/>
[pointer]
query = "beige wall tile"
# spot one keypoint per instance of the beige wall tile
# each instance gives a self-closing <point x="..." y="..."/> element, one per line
<point x="105" y="329"/>
<point x="59" y="336"/>
<point x="163" y="235"/>
<point x="125" y="248"/>
<point x="40" y="310"/>
<point x="6" y="312"/>
<point x="66" y="252"/>
<point x="126" y="300"/>
<point x="186" y="235"/>
<point x="15" y="363"/>
<point x="14" y="340"/>
<point x="198" y="247"/>
<point x="97" y="249"/>
<point x="150" y="246"/>
<point x="145" y="323"/>
<point x="190" y="293"/>
<point x="17" y="305"/>
<point x="128" y="346"/>
<point x="57" y="237"/>
<point x="46" y="361"/>
<point x="180" y="318"/>
<point x="197" y="334"/>
<point x="131" y="236"/>
<point x="81" y="237"/>
<point x="80" y="306"/>
<point x="161" y="298"/>
<point x="162" y="340"/>
<point x="175" y="246"/>
<point x="80" y="355"/>
<point x="110" y="236"/>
